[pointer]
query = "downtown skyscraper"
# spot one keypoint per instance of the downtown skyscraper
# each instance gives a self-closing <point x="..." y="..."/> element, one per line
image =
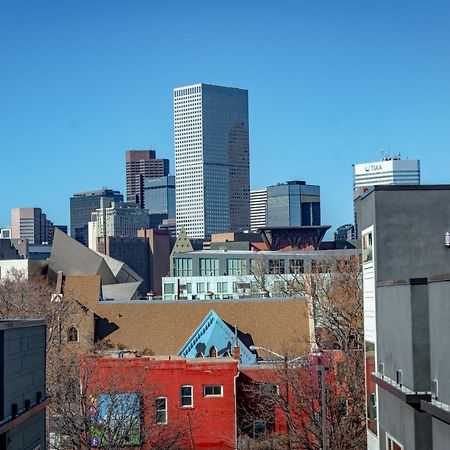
<point x="211" y="159"/>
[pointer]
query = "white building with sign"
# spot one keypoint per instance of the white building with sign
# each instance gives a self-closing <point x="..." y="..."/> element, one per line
<point x="388" y="171"/>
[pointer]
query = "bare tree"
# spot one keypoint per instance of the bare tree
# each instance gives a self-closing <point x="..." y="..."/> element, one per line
<point x="85" y="410"/>
<point x="334" y="291"/>
<point x="110" y="409"/>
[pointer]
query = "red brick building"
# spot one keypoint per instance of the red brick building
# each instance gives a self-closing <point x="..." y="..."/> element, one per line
<point x="191" y="402"/>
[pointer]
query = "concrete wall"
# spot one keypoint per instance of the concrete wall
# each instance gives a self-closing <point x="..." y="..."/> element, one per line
<point x="23" y="370"/>
<point x="409" y="427"/>
<point x="440" y="337"/>
<point x="410" y="225"/>
<point x="6" y="266"/>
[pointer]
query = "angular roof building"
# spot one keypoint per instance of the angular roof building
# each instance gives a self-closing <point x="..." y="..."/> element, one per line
<point x="118" y="281"/>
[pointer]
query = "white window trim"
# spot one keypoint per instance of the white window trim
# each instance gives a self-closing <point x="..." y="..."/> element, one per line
<point x="388" y="436"/>
<point x="212" y="395"/>
<point x="192" y="396"/>
<point x="166" y="411"/>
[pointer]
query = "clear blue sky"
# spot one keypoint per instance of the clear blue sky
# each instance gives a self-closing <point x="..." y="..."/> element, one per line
<point x="330" y="84"/>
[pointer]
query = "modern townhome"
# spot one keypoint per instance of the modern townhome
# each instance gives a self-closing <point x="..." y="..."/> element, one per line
<point x="233" y="274"/>
<point x="404" y="233"/>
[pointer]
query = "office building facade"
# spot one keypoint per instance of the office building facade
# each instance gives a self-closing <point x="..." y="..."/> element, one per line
<point x="293" y="204"/>
<point x="31" y="224"/>
<point x="258" y="209"/>
<point x="211" y="159"/>
<point x="82" y="205"/>
<point x="405" y="316"/>
<point x="142" y="164"/>
<point x="159" y="198"/>
<point x="393" y="171"/>
<point x="117" y="219"/>
<point x="345" y="232"/>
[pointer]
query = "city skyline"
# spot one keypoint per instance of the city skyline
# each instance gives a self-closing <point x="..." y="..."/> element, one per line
<point x="325" y="101"/>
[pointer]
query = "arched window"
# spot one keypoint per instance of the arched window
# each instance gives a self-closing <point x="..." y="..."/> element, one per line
<point x="72" y="334"/>
<point x="213" y="352"/>
<point x="200" y="355"/>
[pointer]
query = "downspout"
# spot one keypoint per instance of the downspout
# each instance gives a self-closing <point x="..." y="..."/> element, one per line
<point x="235" y="410"/>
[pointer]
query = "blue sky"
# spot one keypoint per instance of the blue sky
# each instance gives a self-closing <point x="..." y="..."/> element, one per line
<point x="330" y="84"/>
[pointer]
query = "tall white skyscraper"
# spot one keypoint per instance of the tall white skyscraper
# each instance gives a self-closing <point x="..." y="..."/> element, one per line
<point x="212" y="170"/>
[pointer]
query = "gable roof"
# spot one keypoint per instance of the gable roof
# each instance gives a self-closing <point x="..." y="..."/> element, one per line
<point x="283" y="325"/>
<point x="214" y="332"/>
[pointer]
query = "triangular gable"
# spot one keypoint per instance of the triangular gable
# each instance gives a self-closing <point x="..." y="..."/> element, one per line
<point x="214" y="332"/>
<point x="182" y="244"/>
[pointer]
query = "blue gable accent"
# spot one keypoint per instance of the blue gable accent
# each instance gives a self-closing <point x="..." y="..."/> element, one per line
<point x="214" y="332"/>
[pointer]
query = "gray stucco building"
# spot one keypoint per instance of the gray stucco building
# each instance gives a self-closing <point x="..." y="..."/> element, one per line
<point x="406" y="314"/>
<point x="22" y="389"/>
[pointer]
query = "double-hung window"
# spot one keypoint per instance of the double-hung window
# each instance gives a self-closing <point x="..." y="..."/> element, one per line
<point x="187" y="396"/>
<point x="160" y="410"/>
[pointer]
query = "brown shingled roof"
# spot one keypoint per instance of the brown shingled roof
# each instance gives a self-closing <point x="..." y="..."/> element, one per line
<point x="279" y="324"/>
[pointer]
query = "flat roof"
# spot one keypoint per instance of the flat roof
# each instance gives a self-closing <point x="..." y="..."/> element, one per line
<point x="272" y="252"/>
<point x="20" y="323"/>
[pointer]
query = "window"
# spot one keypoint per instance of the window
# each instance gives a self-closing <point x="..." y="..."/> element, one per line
<point x="161" y="410"/>
<point x="259" y="429"/>
<point x="276" y="266"/>
<point x="187" y="398"/>
<point x="189" y="288"/>
<point x="296" y="266"/>
<point x="319" y="266"/>
<point x="183" y="267"/>
<point x="236" y="266"/>
<point x="72" y="334"/>
<point x="213" y="390"/>
<point x="222" y="287"/>
<point x="367" y="247"/>
<point x="200" y="288"/>
<point x="392" y="444"/>
<point x="209" y="267"/>
<point x="168" y="288"/>
<point x="371" y="406"/>
<point x="213" y="352"/>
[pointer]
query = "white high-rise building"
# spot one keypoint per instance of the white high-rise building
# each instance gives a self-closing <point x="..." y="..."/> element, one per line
<point x="387" y="171"/>
<point x="258" y="208"/>
<point x="212" y="174"/>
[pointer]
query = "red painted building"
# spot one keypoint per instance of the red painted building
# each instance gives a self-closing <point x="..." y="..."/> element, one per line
<point x="191" y="402"/>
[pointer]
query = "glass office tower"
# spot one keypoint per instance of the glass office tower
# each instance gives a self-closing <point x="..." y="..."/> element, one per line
<point x="82" y="205"/>
<point x="211" y="159"/>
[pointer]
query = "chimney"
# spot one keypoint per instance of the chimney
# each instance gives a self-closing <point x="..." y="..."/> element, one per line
<point x="236" y="349"/>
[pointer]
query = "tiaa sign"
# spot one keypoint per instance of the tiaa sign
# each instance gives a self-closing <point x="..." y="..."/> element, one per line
<point x="373" y="167"/>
